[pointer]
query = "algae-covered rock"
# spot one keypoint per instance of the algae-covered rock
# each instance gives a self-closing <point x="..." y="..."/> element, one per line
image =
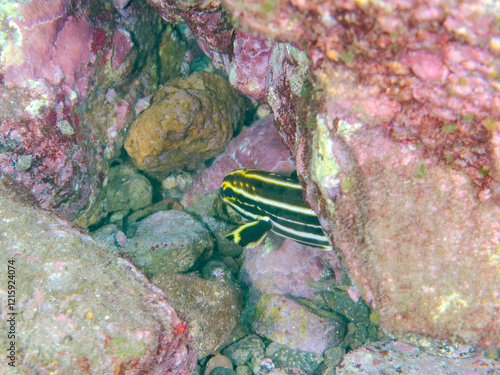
<point x="212" y="308"/>
<point x="79" y="310"/>
<point x="288" y="322"/>
<point x="282" y="355"/>
<point x="248" y="350"/>
<point x="127" y="189"/>
<point x="170" y="241"/>
<point x="396" y="357"/>
<point x="190" y="121"/>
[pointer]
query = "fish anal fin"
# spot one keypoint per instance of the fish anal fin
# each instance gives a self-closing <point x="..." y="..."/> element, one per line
<point x="250" y="234"/>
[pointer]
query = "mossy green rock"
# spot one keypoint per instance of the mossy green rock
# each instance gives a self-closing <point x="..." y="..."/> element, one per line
<point x="284" y="356"/>
<point x="127" y="189"/>
<point x="244" y="351"/>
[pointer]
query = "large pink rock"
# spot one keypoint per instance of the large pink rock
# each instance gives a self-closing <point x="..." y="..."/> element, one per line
<point x="259" y="146"/>
<point x="291" y="268"/>
<point x="67" y="94"/>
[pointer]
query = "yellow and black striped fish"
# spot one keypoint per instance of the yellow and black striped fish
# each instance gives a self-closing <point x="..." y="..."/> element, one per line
<point x="271" y="202"/>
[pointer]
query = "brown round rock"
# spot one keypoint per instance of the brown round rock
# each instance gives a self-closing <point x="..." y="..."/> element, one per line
<point x="190" y="121"/>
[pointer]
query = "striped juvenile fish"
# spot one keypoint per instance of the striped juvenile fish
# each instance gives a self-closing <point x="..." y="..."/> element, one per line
<point x="271" y="202"/>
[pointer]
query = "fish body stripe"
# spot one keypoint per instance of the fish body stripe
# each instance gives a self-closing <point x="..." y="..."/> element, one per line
<point x="260" y="195"/>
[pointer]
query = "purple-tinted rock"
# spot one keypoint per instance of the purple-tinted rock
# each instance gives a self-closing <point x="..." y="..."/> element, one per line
<point x="398" y="357"/>
<point x="79" y="309"/>
<point x="287" y="322"/>
<point x="291" y="269"/>
<point x="259" y="146"/>
<point x="67" y="93"/>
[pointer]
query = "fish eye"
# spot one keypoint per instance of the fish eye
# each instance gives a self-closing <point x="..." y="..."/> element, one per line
<point x="228" y="193"/>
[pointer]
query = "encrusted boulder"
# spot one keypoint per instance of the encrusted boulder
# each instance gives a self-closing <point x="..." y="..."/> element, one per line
<point x="290" y="323"/>
<point x="189" y="121"/>
<point x="79" y="310"/>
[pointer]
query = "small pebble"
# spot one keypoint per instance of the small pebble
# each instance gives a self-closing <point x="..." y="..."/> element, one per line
<point x="120" y="238"/>
<point x="23" y="163"/>
<point x="218" y="361"/>
<point x="65" y="127"/>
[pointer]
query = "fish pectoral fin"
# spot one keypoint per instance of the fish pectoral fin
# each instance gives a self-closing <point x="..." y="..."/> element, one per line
<point x="250" y="234"/>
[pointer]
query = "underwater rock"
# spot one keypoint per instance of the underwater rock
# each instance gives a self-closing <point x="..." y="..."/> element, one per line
<point x="189" y="121"/>
<point x="282" y="355"/>
<point x="212" y="308"/>
<point x="423" y="95"/>
<point x="74" y="302"/>
<point x="217" y="361"/>
<point x="398" y="357"/>
<point x="127" y="190"/>
<point x="414" y="234"/>
<point x="290" y="268"/>
<point x="287" y="322"/>
<point x="248" y="351"/>
<point x="258" y="146"/>
<point x="170" y="241"/>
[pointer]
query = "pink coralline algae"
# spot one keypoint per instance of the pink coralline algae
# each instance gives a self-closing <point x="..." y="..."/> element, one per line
<point x="258" y="146"/>
<point x="55" y="46"/>
<point x="291" y="269"/>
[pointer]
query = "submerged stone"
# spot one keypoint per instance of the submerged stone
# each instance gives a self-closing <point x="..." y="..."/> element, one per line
<point x="288" y="322"/>
<point x="80" y="310"/>
<point x="212" y="308"/>
<point x="189" y="121"/>
<point x="170" y="241"/>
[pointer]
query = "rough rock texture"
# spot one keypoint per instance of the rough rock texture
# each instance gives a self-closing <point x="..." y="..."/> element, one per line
<point x="395" y="130"/>
<point x="127" y="190"/>
<point x="73" y="75"/>
<point x="398" y="357"/>
<point x="74" y="302"/>
<point x="189" y="121"/>
<point x="249" y="350"/>
<point x="423" y="227"/>
<point x="282" y="355"/>
<point x="290" y="269"/>
<point x="170" y="241"/>
<point x="212" y="308"/>
<point x="259" y="146"/>
<point x="287" y="322"/>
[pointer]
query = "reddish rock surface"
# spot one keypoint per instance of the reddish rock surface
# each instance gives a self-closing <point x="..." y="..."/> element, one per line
<point x="68" y="92"/>
<point x="259" y="146"/>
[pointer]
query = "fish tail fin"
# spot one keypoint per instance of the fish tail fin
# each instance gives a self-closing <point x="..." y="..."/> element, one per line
<point x="250" y="234"/>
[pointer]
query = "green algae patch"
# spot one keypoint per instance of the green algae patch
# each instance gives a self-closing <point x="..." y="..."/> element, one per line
<point x="123" y="348"/>
<point x="421" y="171"/>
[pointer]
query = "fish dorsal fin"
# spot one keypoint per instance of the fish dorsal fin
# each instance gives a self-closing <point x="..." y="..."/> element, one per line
<point x="250" y="234"/>
<point x="294" y="175"/>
